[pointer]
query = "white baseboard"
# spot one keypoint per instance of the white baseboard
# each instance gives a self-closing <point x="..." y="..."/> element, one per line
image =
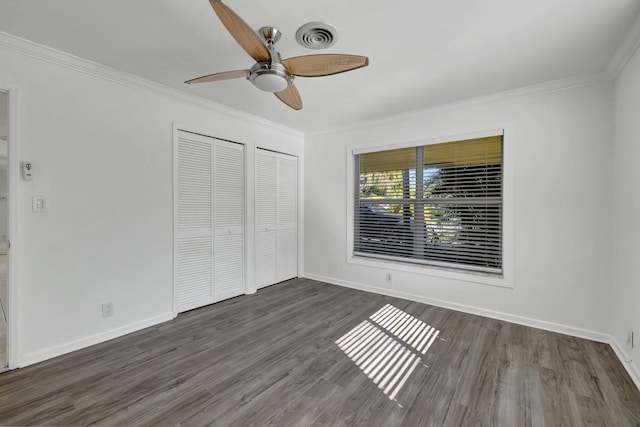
<point x="627" y="362"/>
<point x="59" y="350"/>
<point x="513" y="318"/>
<point x="630" y="365"/>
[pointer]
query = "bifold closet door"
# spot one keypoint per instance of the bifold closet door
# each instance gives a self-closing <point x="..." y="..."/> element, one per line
<point x="266" y="218"/>
<point x="276" y="204"/>
<point x="229" y="220"/>
<point x="209" y="221"/>
<point x="287" y="245"/>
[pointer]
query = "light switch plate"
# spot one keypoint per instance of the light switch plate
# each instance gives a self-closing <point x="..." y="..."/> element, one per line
<point x="39" y="204"/>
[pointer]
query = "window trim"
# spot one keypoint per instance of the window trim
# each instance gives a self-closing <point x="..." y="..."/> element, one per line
<point x="506" y="279"/>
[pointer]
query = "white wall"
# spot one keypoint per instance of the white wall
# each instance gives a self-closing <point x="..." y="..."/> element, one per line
<point x="560" y="154"/>
<point x="4" y="219"/>
<point x="102" y="155"/>
<point x="626" y="209"/>
<point x="4" y="117"/>
<point x="4" y="126"/>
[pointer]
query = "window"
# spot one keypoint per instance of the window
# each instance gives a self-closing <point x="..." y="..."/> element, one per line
<point x="437" y="204"/>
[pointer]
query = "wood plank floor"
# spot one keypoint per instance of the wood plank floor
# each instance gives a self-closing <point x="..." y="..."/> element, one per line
<point x="306" y="353"/>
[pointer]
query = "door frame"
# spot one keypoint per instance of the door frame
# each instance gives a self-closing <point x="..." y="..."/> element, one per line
<point x="13" y="198"/>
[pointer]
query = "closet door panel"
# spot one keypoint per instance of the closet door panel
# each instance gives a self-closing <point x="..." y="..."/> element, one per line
<point x="193" y="257"/>
<point x="229" y="185"/>
<point x="287" y="190"/>
<point x="229" y="262"/>
<point x="265" y="258"/>
<point x="266" y="218"/>
<point x="266" y="186"/>
<point x="229" y="220"/>
<point x="287" y="262"/>
<point x="194" y="273"/>
<point x="287" y="249"/>
<point x="276" y="251"/>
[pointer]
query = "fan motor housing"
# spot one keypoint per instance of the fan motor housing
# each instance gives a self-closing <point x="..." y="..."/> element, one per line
<point x="270" y="77"/>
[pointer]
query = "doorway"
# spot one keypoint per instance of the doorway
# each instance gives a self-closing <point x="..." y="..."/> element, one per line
<point x="4" y="226"/>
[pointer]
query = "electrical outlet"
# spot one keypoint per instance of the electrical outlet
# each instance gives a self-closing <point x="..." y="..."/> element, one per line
<point x="630" y="338"/>
<point x="107" y="309"/>
<point x="389" y="278"/>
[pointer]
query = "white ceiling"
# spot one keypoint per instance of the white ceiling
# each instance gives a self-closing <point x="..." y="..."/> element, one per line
<point x="422" y="53"/>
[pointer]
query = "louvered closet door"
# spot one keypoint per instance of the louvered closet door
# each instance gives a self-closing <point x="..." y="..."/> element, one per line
<point x="229" y="220"/>
<point x="287" y="249"/>
<point x="193" y="252"/>
<point x="276" y="251"/>
<point x="209" y="213"/>
<point x="266" y="218"/>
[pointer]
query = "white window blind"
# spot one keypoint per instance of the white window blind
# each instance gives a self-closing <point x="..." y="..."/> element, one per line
<point x="437" y="204"/>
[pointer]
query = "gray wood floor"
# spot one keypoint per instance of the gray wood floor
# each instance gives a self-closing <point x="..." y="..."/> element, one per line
<point x="308" y="353"/>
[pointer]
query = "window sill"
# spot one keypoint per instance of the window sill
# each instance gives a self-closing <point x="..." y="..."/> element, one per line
<point x="466" y="276"/>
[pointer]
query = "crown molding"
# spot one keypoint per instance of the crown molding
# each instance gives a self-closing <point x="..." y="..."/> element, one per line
<point x="625" y="50"/>
<point x="533" y="90"/>
<point x="12" y="43"/>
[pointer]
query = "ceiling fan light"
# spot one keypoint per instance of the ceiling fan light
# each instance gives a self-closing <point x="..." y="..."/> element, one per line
<point x="270" y="82"/>
<point x="272" y="77"/>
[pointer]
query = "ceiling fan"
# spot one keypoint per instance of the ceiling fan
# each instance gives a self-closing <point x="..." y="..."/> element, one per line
<point x="271" y="73"/>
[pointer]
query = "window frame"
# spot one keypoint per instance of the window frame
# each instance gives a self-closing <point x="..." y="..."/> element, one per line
<point x="503" y="280"/>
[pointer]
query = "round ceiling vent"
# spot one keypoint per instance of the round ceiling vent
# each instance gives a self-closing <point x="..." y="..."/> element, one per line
<point x="317" y="35"/>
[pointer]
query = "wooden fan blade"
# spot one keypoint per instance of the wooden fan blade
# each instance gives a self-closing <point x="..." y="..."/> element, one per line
<point x="291" y="97"/>
<point x="323" y="65"/>
<point x="244" y="35"/>
<point x="227" y="75"/>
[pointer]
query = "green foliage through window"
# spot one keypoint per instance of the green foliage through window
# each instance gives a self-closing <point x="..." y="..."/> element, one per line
<point x="445" y="210"/>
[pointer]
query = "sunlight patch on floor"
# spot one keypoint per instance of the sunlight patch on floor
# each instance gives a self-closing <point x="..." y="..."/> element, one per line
<point x="388" y="346"/>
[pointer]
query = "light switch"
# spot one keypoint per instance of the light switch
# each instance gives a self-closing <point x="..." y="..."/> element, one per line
<point x="39" y="204"/>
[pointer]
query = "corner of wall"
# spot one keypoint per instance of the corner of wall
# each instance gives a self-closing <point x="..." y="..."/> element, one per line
<point x="629" y="364"/>
<point x="625" y="50"/>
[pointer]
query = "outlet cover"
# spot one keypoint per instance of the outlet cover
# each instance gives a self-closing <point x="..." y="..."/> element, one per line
<point x="389" y="277"/>
<point x="39" y="204"/>
<point x="107" y="309"/>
